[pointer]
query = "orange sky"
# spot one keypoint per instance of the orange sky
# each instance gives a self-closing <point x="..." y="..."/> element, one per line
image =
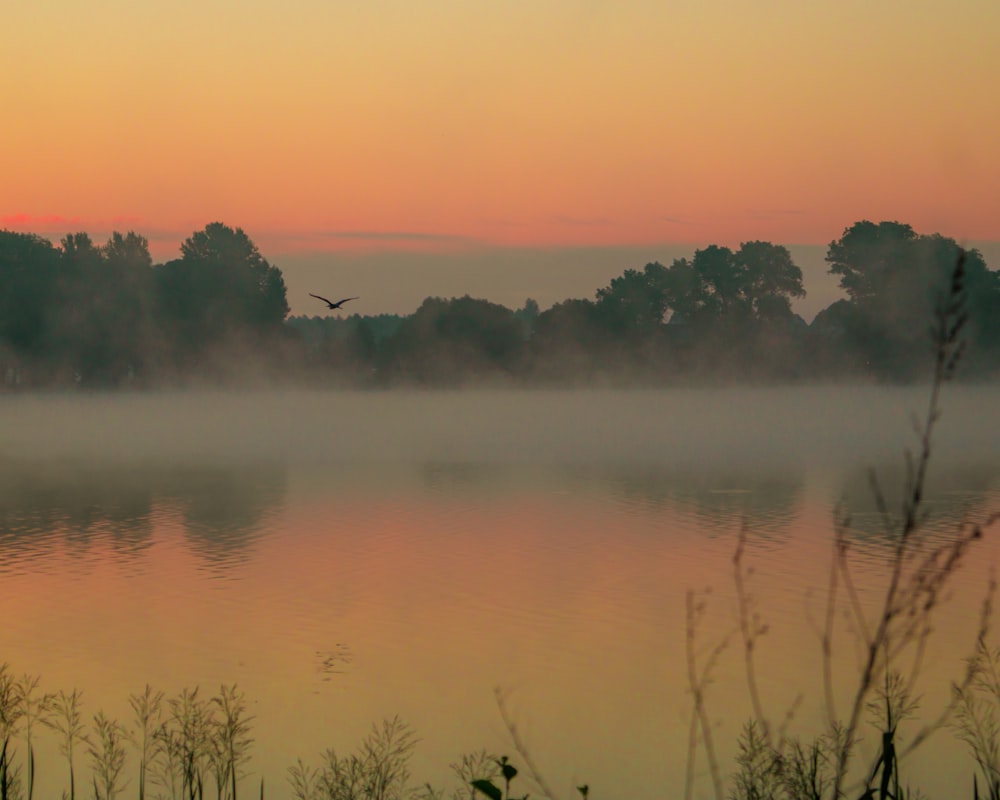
<point x="321" y="125"/>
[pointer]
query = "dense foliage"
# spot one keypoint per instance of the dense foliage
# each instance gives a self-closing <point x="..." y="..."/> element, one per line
<point x="106" y="315"/>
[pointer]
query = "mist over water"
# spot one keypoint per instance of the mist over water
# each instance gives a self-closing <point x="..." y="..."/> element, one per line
<point x="733" y="426"/>
<point x="436" y="544"/>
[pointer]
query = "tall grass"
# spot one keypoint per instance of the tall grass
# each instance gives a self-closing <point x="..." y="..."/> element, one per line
<point x="229" y="740"/>
<point x="11" y="713"/>
<point x="977" y="715"/>
<point x="147" y="713"/>
<point x="67" y="721"/>
<point x="178" y="741"/>
<point x="107" y="752"/>
<point x="377" y="770"/>
<point x="35" y="709"/>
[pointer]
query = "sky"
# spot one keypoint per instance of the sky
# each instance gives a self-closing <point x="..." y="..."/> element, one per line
<point x="398" y="149"/>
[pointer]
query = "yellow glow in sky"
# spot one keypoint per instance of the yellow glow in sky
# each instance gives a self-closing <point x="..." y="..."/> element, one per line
<point x="322" y="124"/>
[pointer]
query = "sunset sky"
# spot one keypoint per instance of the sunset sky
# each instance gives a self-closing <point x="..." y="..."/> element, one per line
<point x="443" y="146"/>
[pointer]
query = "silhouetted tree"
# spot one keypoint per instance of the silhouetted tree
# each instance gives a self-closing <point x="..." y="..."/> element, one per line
<point x="89" y="314"/>
<point x="719" y="283"/>
<point x="79" y="322"/>
<point x="575" y="320"/>
<point x="894" y="278"/>
<point x="221" y="290"/>
<point x="361" y="344"/>
<point x="342" y="350"/>
<point x="839" y="341"/>
<point x="720" y="307"/>
<point x="730" y="311"/>
<point x="635" y="302"/>
<point x="28" y="267"/>
<point x="100" y="321"/>
<point x="255" y="289"/>
<point x="873" y="260"/>
<point x="572" y="342"/>
<point x="753" y="284"/>
<point x="130" y="270"/>
<point x="527" y="316"/>
<point x="447" y="340"/>
<point x="769" y="279"/>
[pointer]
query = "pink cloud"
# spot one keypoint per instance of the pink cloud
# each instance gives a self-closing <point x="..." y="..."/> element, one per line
<point x="22" y="220"/>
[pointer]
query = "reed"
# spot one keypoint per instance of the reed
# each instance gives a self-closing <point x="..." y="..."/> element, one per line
<point x="36" y="708"/>
<point x="11" y="714"/>
<point x="977" y="716"/>
<point x="107" y="753"/>
<point x="67" y="721"/>
<point x="185" y="739"/>
<point x="229" y="740"/>
<point x="304" y="781"/>
<point x="147" y="709"/>
<point x="377" y="770"/>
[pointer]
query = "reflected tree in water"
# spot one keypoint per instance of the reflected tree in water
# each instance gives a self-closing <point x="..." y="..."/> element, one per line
<point x="43" y="503"/>
<point x="46" y="505"/>
<point x="224" y="509"/>
<point x="767" y="501"/>
<point x="959" y="493"/>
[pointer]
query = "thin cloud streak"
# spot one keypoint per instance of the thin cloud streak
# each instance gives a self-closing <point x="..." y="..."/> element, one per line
<point x="43" y="222"/>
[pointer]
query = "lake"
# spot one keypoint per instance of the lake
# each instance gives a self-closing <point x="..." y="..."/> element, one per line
<point x="346" y="557"/>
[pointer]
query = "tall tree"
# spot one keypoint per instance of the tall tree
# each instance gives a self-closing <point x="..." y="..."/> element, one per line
<point x="769" y="278"/>
<point x="28" y="267"/>
<point x="634" y="302"/>
<point x="99" y="319"/>
<point x="254" y="290"/>
<point x="448" y="340"/>
<point x="221" y="288"/>
<point x="80" y="322"/>
<point x="894" y="279"/>
<point x="753" y="284"/>
<point x="871" y="258"/>
<point x="130" y="270"/>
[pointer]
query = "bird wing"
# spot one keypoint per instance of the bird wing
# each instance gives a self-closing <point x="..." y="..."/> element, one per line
<point x="318" y="297"/>
<point x="349" y="298"/>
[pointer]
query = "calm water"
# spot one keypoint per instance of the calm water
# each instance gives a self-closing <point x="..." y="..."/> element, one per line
<point x="348" y="557"/>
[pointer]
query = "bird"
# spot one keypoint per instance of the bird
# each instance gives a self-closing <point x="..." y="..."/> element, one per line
<point x="330" y="303"/>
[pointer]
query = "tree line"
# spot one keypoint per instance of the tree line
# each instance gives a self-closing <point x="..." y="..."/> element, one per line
<point x="104" y="315"/>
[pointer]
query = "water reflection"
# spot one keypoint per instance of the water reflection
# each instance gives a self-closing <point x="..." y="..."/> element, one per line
<point x="224" y="509"/>
<point x="45" y="504"/>
<point x="956" y="493"/>
<point x="766" y="502"/>
<point x="417" y="586"/>
<point x="72" y="505"/>
<point x="450" y="476"/>
<point x="718" y="501"/>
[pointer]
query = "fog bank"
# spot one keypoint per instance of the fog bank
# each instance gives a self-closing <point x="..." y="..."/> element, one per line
<point x="675" y="428"/>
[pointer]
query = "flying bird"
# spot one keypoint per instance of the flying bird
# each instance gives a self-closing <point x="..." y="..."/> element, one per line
<point x="330" y="303"/>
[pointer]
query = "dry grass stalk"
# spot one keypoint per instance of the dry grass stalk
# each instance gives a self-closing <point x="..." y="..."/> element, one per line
<point x="698" y="681"/>
<point x="67" y="721"/>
